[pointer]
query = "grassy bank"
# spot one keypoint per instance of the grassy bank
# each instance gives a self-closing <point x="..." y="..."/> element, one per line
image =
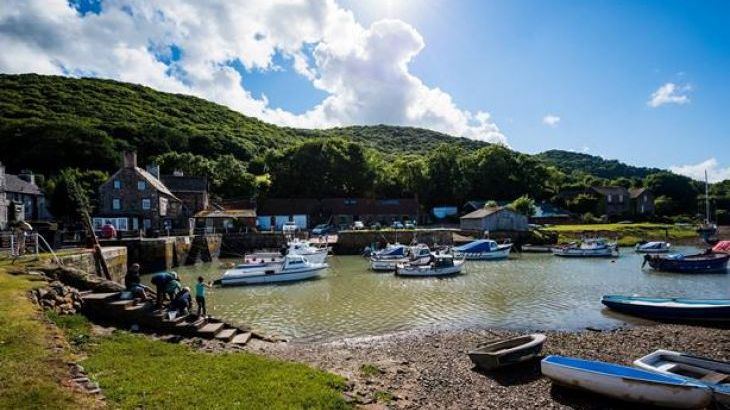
<point x="627" y="234"/>
<point x="137" y="372"/>
<point x="31" y="367"/>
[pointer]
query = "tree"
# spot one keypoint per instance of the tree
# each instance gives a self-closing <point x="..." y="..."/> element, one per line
<point x="524" y="205"/>
<point x="664" y="206"/>
<point x="447" y="184"/>
<point x="679" y="188"/>
<point x="71" y="192"/>
<point x="583" y="203"/>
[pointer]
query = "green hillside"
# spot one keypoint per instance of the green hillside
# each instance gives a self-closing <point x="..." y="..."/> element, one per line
<point x="590" y="164"/>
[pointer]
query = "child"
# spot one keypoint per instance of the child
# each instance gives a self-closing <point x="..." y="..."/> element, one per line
<point x="200" y="296"/>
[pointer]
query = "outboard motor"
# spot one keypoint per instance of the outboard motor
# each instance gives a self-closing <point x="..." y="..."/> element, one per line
<point x="647" y="258"/>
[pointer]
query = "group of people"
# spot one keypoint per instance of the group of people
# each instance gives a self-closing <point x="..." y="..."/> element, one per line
<point x="168" y="286"/>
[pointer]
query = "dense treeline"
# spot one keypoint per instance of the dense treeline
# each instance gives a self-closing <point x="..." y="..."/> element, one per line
<point x="74" y="130"/>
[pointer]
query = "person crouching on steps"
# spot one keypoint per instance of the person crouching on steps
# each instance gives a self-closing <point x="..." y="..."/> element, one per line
<point x="200" y="296"/>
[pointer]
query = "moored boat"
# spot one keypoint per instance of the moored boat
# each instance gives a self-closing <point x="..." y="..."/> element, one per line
<point x="588" y="248"/>
<point x="676" y="309"/>
<point x="483" y="249"/>
<point x="626" y="383"/>
<point x="293" y="268"/>
<point x="714" y="373"/>
<point x="708" y="262"/>
<point x="509" y="351"/>
<point x="653" y="247"/>
<point x="440" y="265"/>
<point x="387" y="263"/>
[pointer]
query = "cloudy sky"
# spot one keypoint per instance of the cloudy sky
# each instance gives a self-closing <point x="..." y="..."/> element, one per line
<point x="644" y="82"/>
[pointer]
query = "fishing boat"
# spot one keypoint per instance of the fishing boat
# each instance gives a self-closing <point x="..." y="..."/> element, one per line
<point x="588" y="248"/>
<point x="626" y="383"/>
<point x="670" y="309"/>
<point x="440" y="265"/>
<point x="292" y="268"/>
<point x="509" y="351"/>
<point x="708" y="262"/>
<point x="388" y="262"/>
<point x="714" y="373"/>
<point x="653" y="247"/>
<point x="482" y="250"/>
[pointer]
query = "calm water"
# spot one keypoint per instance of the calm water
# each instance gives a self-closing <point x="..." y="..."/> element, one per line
<point x="528" y="291"/>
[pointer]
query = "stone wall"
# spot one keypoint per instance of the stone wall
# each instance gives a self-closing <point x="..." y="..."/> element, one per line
<point x="160" y="254"/>
<point x="83" y="259"/>
<point x="353" y="242"/>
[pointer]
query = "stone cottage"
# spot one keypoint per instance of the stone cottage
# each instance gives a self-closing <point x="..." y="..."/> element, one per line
<point x="3" y="200"/>
<point x="134" y="199"/>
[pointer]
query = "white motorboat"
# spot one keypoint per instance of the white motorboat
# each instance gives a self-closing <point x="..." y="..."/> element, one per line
<point x="653" y="247"/>
<point x="714" y="373"/>
<point x="597" y="247"/>
<point x="389" y="262"/>
<point x="439" y="265"/>
<point x="482" y="250"/>
<point x="313" y="254"/>
<point x="292" y="268"/>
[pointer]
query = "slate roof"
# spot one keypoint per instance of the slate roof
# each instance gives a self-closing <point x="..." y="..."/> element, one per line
<point x="484" y="212"/>
<point x="185" y="183"/>
<point x="611" y="190"/>
<point x="14" y="184"/>
<point x="636" y="192"/>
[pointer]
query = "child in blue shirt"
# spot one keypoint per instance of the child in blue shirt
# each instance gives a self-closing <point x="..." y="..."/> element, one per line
<point x="200" y="296"/>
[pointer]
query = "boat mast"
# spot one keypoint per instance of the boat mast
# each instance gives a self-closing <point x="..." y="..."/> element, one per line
<point x="707" y="200"/>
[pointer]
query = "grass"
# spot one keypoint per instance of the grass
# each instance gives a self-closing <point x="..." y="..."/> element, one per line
<point x="383" y="396"/>
<point x="30" y="370"/>
<point x="628" y="234"/>
<point x="135" y="371"/>
<point x="370" y="370"/>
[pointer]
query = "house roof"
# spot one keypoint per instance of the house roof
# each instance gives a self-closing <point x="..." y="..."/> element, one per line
<point x="484" y="212"/>
<point x="282" y="206"/>
<point x="228" y="213"/>
<point x="548" y="210"/>
<point x="15" y="184"/>
<point x="636" y="192"/>
<point x="176" y="183"/>
<point x="338" y="206"/>
<point x="611" y="190"/>
<point x="149" y="178"/>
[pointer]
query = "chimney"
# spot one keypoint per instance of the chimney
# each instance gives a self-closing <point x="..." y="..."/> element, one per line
<point x="130" y="159"/>
<point x="154" y="170"/>
<point x="2" y="177"/>
<point x="27" y="176"/>
<point x="178" y="173"/>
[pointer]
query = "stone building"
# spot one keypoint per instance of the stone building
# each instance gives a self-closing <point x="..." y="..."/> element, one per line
<point x="494" y="218"/>
<point x="3" y="200"/>
<point x="25" y="200"/>
<point x="134" y="199"/>
<point x="191" y="190"/>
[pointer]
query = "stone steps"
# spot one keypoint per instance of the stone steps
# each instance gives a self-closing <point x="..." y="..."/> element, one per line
<point x="241" y="338"/>
<point x="210" y="330"/>
<point x="226" y="334"/>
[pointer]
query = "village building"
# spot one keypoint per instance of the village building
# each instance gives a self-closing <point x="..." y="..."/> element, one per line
<point x="495" y="218"/>
<point x="24" y="200"/>
<point x="133" y="199"/>
<point x="617" y="202"/>
<point x="642" y="202"/>
<point x="549" y="214"/>
<point x="343" y="212"/>
<point x="3" y="200"/>
<point x="191" y="190"/>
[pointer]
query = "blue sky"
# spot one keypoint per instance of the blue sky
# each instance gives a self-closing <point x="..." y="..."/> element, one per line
<point x="574" y="75"/>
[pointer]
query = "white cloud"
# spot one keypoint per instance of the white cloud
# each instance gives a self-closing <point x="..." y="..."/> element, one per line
<point x="669" y="93"/>
<point x="551" y="120"/>
<point x="364" y="70"/>
<point x="697" y="171"/>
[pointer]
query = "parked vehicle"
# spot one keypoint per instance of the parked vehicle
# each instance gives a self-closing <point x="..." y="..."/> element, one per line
<point x="323" y="229"/>
<point x="653" y="247"/>
<point x="290" y="227"/>
<point x="698" y="263"/>
<point x="397" y="225"/>
<point x="410" y="225"/>
<point x="713" y="373"/>
<point x="588" y="248"/>
<point x="677" y="309"/>
<point x="375" y="226"/>
<point x="292" y="268"/>
<point x="483" y="249"/>
<point x="358" y="225"/>
<point x="509" y="351"/>
<point x="626" y="383"/>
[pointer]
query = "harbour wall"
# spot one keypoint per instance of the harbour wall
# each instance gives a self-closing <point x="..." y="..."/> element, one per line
<point x="160" y="254"/>
<point x="83" y="259"/>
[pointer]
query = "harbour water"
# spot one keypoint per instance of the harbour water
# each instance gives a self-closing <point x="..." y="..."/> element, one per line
<point x="529" y="291"/>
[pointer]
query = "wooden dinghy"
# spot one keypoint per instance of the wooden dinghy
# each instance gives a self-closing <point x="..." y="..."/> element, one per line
<point x="626" y="383"/>
<point x="508" y="351"/>
<point x="714" y="373"/>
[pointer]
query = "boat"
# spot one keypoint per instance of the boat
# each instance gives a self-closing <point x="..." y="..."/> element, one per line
<point x="713" y="373"/>
<point x="707" y="230"/>
<point x="653" y="247"/>
<point x="441" y="265"/>
<point x="588" y="248"/>
<point x="388" y="262"/>
<point x="483" y="249"/>
<point x="292" y="268"/>
<point x="670" y="309"/>
<point x="509" y="351"/>
<point x="626" y="383"/>
<point x="708" y="262"/>
<point x="313" y="254"/>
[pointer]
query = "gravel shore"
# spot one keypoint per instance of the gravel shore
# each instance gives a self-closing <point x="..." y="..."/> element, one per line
<point x="428" y="370"/>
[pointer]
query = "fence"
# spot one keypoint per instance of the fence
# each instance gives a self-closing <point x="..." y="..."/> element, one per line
<point x="19" y="244"/>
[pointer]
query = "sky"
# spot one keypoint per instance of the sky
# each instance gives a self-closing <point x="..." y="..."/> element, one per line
<point x="645" y="82"/>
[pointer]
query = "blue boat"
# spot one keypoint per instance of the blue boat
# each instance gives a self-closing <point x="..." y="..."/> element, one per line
<point x="483" y="249"/>
<point x="626" y="383"/>
<point x="670" y="309"/>
<point x="699" y="263"/>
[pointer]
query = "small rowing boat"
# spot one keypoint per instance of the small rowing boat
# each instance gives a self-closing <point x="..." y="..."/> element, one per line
<point x="708" y="262"/>
<point x="439" y="266"/>
<point x="626" y="383"/>
<point x="508" y="351"/>
<point x="670" y="309"/>
<point x="653" y="247"/>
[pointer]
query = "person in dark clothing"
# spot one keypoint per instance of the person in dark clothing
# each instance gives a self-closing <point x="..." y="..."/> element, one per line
<point x="160" y="281"/>
<point x="132" y="277"/>
<point x="182" y="301"/>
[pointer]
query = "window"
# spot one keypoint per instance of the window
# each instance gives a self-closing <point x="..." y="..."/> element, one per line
<point x="147" y="224"/>
<point x="146" y="204"/>
<point x="645" y="198"/>
<point x="620" y="198"/>
<point x="163" y="206"/>
<point x="609" y="198"/>
<point x="121" y="224"/>
<point x="116" y="204"/>
<point x="141" y="185"/>
<point x="117" y="184"/>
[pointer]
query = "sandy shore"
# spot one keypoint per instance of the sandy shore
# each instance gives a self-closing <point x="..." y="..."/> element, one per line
<point x="431" y="369"/>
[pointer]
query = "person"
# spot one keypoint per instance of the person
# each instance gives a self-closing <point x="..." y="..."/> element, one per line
<point x="172" y="287"/>
<point x="182" y="302"/>
<point x="132" y="277"/>
<point x="200" y="296"/>
<point x="160" y="281"/>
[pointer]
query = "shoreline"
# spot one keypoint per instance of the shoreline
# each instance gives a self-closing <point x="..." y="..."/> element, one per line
<point x="430" y="368"/>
